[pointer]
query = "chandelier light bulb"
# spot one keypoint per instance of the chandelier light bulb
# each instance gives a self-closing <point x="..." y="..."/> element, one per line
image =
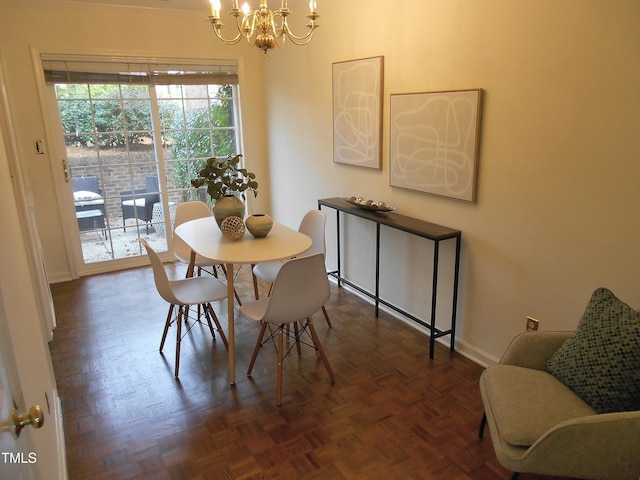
<point x="215" y="8"/>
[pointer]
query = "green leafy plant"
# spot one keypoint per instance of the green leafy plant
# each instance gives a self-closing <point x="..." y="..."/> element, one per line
<point x="223" y="176"/>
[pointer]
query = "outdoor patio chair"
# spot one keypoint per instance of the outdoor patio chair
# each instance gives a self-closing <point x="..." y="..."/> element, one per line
<point x="139" y="203"/>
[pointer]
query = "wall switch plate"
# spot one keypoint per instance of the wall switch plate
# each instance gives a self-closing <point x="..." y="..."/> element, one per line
<point x="532" y="324"/>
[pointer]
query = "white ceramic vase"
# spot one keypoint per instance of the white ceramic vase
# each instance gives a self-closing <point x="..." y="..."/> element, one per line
<point x="259" y="225"/>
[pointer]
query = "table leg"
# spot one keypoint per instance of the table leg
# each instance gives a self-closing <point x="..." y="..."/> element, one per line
<point x="456" y="279"/>
<point x="192" y="262"/>
<point x="230" y="321"/>
<point x="377" y="296"/>
<point x="338" y="247"/>
<point x="434" y="298"/>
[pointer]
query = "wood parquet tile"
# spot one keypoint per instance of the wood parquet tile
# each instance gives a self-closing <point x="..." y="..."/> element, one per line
<point x="392" y="414"/>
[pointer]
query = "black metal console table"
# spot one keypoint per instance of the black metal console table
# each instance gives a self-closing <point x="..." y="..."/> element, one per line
<point x="431" y="231"/>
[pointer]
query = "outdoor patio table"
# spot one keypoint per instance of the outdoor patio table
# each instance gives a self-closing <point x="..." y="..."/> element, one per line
<point x="205" y="239"/>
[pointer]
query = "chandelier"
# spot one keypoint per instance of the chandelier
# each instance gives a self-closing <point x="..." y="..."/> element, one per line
<point x="262" y="27"/>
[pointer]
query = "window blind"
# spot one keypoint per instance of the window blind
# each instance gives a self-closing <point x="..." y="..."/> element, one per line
<point x="130" y="70"/>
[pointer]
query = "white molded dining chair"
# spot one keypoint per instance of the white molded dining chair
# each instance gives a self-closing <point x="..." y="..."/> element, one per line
<point x="191" y="211"/>
<point x="299" y="290"/>
<point x="184" y="293"/>
<point x="313" y="226"/>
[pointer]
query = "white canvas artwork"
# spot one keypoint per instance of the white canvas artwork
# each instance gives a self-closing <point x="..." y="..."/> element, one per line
<point x="434" y="142"/>
<point x="357" y="112"/>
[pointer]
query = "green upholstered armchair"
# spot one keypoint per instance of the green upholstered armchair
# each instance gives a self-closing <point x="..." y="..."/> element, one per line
<point x="540" y="425"/>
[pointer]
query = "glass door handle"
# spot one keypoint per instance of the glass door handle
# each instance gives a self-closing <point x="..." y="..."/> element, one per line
<point x="66" y="170"/>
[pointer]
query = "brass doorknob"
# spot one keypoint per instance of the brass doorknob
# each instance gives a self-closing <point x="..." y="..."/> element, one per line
<point x="34" y="417"/>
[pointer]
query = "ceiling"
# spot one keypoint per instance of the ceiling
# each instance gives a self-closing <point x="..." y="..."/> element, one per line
<point x="198" y="5"/>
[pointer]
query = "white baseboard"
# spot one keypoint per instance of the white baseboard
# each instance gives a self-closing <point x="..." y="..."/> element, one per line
<point x="464" y="348"/>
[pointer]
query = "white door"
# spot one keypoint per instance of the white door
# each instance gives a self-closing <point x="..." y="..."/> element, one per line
<point x="17" y="454"/>
<point x="26" y="371"/>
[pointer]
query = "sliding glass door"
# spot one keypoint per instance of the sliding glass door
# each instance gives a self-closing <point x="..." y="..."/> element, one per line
<point x="132" y="150"/>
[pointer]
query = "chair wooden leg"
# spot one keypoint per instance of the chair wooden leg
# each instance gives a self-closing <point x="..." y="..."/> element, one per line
<point x="199" y="306"/>
<point x="263" y="328"/>
<point x="178" y="338"/>
<point x="320" y="350"/>
<point x="166" y="326"/>
<point x="212" y="312"/>
<point x="208" y="317"/>
<point x="280" y="357"/>
<point x="326" y="316"/>
<point x="483" y="423"/>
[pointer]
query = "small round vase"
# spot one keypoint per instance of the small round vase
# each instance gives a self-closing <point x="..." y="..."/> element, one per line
<point x="228" y="206"/>
<point x="259" y="225"/>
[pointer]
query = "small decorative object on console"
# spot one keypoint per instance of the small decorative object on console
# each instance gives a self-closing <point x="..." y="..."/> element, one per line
<point x="370" y="204"/>
<point x="233" y="228"/>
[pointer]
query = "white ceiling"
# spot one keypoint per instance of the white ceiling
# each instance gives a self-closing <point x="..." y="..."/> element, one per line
<point x="199" y="5"/>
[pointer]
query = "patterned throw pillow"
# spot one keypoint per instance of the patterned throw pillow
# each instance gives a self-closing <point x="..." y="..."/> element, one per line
<point x="601" y="362"/>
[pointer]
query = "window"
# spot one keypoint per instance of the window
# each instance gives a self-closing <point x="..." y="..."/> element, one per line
<point x="137" y="133"/>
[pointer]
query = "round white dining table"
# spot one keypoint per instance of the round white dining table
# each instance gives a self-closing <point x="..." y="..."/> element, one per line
<point x="204" y="238"/>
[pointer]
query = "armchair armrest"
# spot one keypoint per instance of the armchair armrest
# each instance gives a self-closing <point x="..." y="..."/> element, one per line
<point x="533" y="349"/>
<point x="129" y="194"/>
<point x="605" y="446"/>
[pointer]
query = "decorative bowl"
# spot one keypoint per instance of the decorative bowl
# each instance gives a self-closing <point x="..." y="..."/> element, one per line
<point x="372" y="206"/>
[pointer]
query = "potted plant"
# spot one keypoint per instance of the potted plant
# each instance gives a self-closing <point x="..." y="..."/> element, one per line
<point x="226" y="183"/>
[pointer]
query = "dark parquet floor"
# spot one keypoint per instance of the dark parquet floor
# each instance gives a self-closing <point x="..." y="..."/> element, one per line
<point x="392" y="414"/>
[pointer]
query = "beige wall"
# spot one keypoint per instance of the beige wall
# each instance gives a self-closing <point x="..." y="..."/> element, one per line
<point x="557" y="205"/>
<point x="557" y="209"/>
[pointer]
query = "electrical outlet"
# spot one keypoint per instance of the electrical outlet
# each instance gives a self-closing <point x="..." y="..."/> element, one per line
<point x="532" y="324"/>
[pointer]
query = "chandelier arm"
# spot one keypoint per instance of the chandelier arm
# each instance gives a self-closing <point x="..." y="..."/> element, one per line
<point x="304" y="39"/>
<point x="248" y="26"/>
<point x="226" y="41"/>
<point x="286" y="31"/>
<point x="216" y="23"/>
<point x="272" y="21"/>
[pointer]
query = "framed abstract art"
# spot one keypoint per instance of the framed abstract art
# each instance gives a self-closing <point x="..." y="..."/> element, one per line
<point x="434" y="142"/>
<point x="357" y="112"/>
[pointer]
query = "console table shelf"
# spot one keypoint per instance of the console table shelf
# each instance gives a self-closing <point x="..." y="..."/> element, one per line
<point x="430" y="231"/>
